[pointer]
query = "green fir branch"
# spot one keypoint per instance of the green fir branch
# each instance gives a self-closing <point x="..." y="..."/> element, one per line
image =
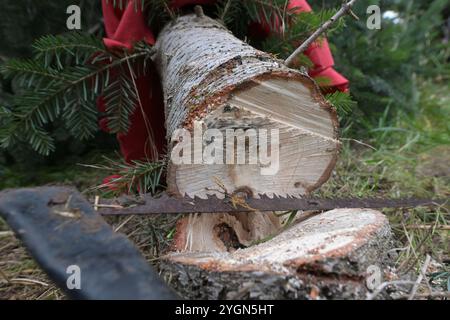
<point x="55" y="50"/>
<point x="137" y="177"/>
<point x="50" y="88"/>
<point x="120" y="99"/>
<point x="342" y="101"/>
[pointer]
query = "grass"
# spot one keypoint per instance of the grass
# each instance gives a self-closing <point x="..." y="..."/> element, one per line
<point x="68" y="171"/>
<point x="409" y="155"/>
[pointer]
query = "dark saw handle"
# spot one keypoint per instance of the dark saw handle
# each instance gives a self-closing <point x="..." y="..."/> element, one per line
<point x="66" y="236"/>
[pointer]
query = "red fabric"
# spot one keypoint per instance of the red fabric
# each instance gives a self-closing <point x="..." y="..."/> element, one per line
<point x="182" y="3"/>
<point x="125" y="27"/>
<point x="299" y="5"/>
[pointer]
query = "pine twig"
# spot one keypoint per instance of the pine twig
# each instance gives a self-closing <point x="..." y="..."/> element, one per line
<point x="345" y="9"/>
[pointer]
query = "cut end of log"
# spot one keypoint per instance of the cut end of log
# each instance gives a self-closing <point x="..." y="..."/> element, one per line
<point x="306" y="150"/>
<point x="329" y="252"/>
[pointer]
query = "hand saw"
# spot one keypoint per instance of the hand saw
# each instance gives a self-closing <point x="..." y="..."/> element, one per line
<point x="59" y="226"/>
<point x="147" y="204"/>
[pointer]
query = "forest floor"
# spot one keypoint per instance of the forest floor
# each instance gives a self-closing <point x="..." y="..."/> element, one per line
<point x="408" y="157"/>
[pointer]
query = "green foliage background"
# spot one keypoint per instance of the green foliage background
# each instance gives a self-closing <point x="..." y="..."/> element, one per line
<point x="386" y="66"/>
<point x="21" y="23"/>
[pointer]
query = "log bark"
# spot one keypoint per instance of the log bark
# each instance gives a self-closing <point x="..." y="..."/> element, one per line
<point x="212" y="77"/>
<point x="324" y="257"/>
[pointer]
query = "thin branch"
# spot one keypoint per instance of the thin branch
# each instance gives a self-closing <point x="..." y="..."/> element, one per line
<point x="428" y="226"/>
<point x="123" y="224"/>
<point x="421" y="276"/>
<point x="150" y="133"/>
<point x="418" y="247"/>
<point x="4" y="234"/>
<point x="345" y="9"/>
<point x="27" y="281"/>
<point x="426" y="295"/>
<point x="361" y="143"/>
<point x="383" y="285"/>
<point x="225" y="10"/>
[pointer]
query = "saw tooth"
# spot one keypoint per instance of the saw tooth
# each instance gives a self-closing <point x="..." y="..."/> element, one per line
<point x="269" y="196"/>
<point x="188" y="198"/>
<point x="263" y="196"/>
<point x="201" y="200"/>
<point x="212" y="197"/>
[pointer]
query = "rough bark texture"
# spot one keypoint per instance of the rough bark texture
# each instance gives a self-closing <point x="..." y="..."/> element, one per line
<point x="323" y="257"/>
<point x="209" y="75"/>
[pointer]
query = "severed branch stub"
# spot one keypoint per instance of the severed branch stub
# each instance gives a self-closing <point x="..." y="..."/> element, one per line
<point x="345" y="9"/>
<point x="199" y="11"/>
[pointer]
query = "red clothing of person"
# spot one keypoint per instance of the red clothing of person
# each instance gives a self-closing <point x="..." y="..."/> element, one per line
<point x="127" y="26"/>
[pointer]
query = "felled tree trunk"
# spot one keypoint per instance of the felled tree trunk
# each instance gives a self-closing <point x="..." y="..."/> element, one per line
<point x="212" y="80"/>
<point x="210" y="76"/>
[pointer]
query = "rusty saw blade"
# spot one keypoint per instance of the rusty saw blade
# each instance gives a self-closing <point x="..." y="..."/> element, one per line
<point x="147" y="204"/>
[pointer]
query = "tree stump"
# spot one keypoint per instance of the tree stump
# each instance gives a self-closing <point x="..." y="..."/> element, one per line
<point x="324" y="257"/>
